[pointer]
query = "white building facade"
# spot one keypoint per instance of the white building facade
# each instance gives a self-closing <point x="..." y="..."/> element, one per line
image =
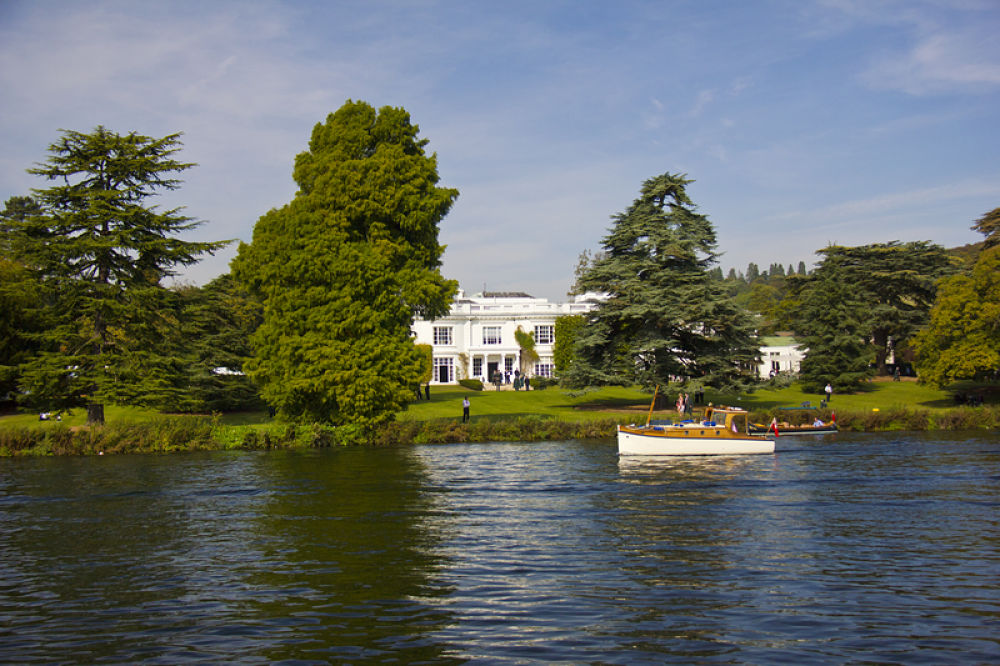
<point x="779" y="354"/>
<point x="476" y="338"/>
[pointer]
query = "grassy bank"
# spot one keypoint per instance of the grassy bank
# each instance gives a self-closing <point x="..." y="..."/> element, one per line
<point x="548" y="414"/>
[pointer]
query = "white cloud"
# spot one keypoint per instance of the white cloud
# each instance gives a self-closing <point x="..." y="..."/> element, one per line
<point x="967" y="60"/>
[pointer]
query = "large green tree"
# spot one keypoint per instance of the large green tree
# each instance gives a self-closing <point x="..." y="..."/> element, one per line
<point x="962" y="340"/>
<point x="99" y="249"/>
<point x="344" y="267"/>
<point x="829" y="314"/>
<point x="892" y="284"/>
<point x="664" y="317"/>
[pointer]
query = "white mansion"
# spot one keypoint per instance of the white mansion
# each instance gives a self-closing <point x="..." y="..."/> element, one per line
<point x="476" y="338"/>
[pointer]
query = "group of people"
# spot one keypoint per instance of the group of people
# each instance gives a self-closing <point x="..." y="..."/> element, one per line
<point x="519" y="381"/>
<point x="684" y="403"/>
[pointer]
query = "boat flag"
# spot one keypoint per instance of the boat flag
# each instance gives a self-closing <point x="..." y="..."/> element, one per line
<point x="774" y="425"/>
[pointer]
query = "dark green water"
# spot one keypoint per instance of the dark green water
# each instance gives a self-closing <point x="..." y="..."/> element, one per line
<point x="866" y="548"/>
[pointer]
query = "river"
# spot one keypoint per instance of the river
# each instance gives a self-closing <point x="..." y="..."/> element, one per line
<point x="880" y="548"/>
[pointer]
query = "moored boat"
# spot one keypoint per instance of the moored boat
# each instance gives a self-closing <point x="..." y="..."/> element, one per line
<point x="779" y="430"/>
<point x="776" y="429"/>
<point x="723" y="431"/>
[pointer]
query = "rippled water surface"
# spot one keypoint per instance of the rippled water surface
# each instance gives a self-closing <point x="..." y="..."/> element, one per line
<point x="866" y="548"/>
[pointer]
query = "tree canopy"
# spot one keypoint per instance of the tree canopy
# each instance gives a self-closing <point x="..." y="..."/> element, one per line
<point x="98" y="249"/>
<point x="891" y="286"/>
<point x="829" y="314"/>
<point x="962" y="340"/>
<point x="665" y="317"/>
<point x="344" y="267"/>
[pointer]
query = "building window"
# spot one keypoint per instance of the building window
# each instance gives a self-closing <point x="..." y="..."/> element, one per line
<point x="545" y="335"/>
<point x="477" y="367"/>
<point x="508" y="364"/>
<point x="442" y="335"/>
<point x="544" y="369"/>
<point x="491" y="335"/>
<point x="444" y="370"/>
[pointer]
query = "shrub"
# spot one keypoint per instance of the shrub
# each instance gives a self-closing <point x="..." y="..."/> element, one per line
<point x="471" y="384"/>
<point x="543" y="382"/>
<point x="968" y="418"/>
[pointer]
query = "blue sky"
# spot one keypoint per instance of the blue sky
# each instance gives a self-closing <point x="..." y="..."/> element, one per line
<point x="802" y="123"/>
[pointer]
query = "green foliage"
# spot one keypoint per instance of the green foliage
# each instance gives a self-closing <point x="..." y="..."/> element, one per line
<point x="540" y="383"/>
<point x="879" y="294"/>
<point x="19" y="295"/>
<point x="963" y="338"/>
<point x="831" y="330"/>
<point x="98" y="251"/>
<point x="165" y="434"/>
<point x="894" y="285"/>
<point x="427" y="363"/>
<point x="968" y="418"/>
<point x="567" y="329"/>
<point x="473" y="384"/>
<point x="212" y="336"/>
<point x="522" y="429"/>
<point x="666" y="317"/>
<point x="528" y="356"/>
<point x="343" y="268"/>
<point x="989" y="225"/>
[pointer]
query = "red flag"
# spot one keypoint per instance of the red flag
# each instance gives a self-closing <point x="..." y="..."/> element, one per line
<point x="774" y="425"/>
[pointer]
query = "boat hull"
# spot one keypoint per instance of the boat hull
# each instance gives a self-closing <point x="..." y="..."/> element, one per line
<point x="688" y="442"/>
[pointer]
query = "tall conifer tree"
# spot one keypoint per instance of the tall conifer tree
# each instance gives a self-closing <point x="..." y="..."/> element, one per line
<point x="100" y="249"/>
<point x="665" y="317"/>
<point x="345" y="266"/>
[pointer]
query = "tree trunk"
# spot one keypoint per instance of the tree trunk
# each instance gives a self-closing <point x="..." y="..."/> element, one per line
<point x="95" y="414"/>
<point x="881" y="340"/>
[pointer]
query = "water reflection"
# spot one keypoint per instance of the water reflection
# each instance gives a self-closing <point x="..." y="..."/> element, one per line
<point x="882" y="548"/>
<point x="281" y="556"/>
<point x="346" y="563"/>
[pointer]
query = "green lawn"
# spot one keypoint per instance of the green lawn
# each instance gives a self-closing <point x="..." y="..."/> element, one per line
<point x="446" y="402"/>
<point x="117" y="414"/>
<point x="558" y="403"/>
<point x="79" y="417"/>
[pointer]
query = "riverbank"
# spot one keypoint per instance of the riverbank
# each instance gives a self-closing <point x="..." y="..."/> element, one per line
<point x="551" y="414"/>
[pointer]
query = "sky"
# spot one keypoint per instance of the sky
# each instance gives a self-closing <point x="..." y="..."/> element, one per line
<point x="803" y="123"/>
